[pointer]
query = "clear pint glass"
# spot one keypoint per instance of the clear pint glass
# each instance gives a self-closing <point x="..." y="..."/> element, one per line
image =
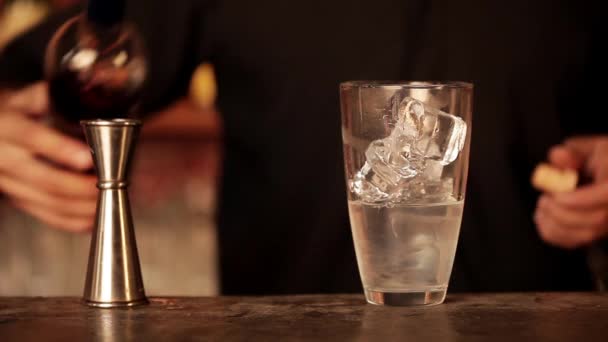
<point x="406" y="153"/>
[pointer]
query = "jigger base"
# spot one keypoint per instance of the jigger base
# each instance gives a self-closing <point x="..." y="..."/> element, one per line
<point x="108" y="305"/>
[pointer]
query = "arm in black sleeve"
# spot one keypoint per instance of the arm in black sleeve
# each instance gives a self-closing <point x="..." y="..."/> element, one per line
<point x="22" y="60"/>
<point x="171" y="31"/>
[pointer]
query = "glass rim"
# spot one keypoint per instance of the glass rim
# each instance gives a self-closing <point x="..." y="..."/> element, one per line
<point x="111" y="122"/>
<point x="388" y="84"/>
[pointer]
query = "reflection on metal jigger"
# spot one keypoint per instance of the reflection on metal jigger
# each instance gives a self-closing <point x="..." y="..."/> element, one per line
<point x="113" y="275"/>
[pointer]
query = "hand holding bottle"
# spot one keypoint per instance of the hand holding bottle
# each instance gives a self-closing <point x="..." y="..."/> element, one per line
<point x="41" y="170"/>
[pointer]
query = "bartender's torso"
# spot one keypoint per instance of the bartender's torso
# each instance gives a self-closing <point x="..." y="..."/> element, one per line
<point x="283" y="223"/>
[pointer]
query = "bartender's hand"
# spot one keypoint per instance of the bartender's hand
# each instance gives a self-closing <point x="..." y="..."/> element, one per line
<point x="578" y="218"/>
<point x="56" y="192"/>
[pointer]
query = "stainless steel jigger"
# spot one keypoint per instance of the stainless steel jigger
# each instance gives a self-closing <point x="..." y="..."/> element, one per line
<point x="113" y="276"/>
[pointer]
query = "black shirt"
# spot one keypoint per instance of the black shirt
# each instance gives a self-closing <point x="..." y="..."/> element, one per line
<point x="283" y="223"/>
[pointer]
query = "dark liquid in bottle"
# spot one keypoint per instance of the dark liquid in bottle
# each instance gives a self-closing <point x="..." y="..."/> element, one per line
<point x="74" y="98"/>
<point x="93" y="72"/>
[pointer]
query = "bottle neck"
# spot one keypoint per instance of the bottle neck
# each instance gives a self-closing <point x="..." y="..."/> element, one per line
<point x="105" y="13"/>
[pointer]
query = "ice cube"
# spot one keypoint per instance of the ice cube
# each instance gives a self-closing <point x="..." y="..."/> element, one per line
<point x="432" y="170"/>
<point x="368" y="186"/>
<point x="383" y="172"/>
<point x="411" y="119"/>
<point x="440" y="136"/>
<point x="447" y="139"/>
<point x="420" y="245"/>
<point x="438" y="191"/>
<point x="408" y="164"/>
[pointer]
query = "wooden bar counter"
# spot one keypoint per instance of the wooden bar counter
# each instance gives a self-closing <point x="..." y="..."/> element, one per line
<point x="516" y="317"/>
